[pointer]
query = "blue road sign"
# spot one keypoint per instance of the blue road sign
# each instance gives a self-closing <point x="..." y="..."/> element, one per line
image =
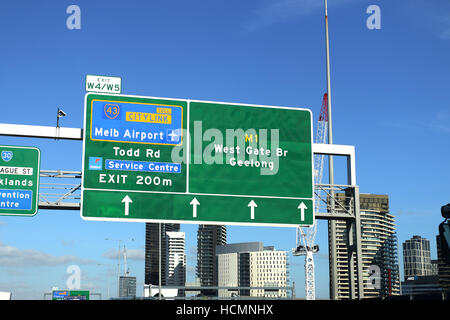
<point x="16" y="199"/>
<point x="60" y="294"/>
<point x="136" y="122"/>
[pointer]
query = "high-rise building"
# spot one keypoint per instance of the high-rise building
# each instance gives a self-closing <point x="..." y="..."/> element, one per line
<point x="127" y="287"/>
<point x="208" y="238"/>
<point x="252" y="265"/>
<point x="416" y="257"/>
<point x="175" y="259"/>
<point x="422" y="286"/>
<point x="434" y="267"/>
<point x="443" y="270"/>
<point x="380" y="267"/>
<point x="152" y="239"/>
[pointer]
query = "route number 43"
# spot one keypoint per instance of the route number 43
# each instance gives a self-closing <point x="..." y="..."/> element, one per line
<point x="112" y="110"/>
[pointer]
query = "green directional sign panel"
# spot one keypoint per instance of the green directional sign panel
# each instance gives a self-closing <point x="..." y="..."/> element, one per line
<point x="70" y="295"/>
<point x="19" y="180"/>
<point x="170" y="160"/>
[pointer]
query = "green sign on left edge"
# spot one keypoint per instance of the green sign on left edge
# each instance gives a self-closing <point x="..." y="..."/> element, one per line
<point x="19" y="180"/>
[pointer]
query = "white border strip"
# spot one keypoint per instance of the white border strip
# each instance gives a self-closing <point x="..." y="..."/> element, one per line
<point x="246" y="224"/>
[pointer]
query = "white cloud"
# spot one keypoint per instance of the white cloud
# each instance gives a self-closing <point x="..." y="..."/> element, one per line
<point x="14" y="257"/>
<point x="21" y="290"/>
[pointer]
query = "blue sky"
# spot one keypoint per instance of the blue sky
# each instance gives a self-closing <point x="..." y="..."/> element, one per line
<point x="389" y="90"/>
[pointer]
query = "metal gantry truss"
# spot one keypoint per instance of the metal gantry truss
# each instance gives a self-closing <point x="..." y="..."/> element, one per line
<point x="55" y="195"/>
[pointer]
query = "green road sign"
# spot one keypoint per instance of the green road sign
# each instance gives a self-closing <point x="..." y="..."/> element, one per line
<point x="19" y="180"/>
<point x="70" y="295"/>
<point x="167" y="160"/>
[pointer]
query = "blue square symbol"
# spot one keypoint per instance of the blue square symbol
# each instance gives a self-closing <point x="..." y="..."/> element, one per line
<point x="95" y="163"/>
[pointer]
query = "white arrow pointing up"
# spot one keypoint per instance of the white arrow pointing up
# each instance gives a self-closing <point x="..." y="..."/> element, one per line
<point x="194" y="203"/>
<point x="302" y="207"/>
<point x="252" y="206"/>
<point x="127" y="202"/>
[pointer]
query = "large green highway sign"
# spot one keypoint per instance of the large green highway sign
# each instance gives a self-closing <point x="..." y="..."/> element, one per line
<point x="19" y="180"/>
<point x="169" y="160"/>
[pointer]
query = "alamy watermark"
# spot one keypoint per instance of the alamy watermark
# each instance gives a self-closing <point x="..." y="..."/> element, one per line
<point x="374" y="20"/>
<point x="374" y="279"/>
<point x="238" y="148"/>
<point x="74" y="19"/>
<point x="73" y="281"/>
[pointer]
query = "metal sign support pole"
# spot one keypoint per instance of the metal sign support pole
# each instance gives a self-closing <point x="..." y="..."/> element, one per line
<point x="159" y="261"/>
<point x="359" y="264"/>
<point x="332" y="223"/>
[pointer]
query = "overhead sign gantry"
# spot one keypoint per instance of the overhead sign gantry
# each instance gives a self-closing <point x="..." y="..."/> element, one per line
<point x="170" y="160"/>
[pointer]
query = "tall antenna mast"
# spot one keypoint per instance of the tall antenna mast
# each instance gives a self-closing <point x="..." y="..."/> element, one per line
<point x="331" y="223"/>
<point x="330" y="132"/>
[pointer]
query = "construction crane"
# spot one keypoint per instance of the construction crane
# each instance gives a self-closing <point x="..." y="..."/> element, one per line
<point x="126" y="270"/>
<point x="307" y="235"/>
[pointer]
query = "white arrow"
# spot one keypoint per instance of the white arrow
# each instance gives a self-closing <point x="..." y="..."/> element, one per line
<point x="194" y="203"/>
<point x="127" y="201"/>
<point x="302" y="207"/>
<point x="252" y="206"/>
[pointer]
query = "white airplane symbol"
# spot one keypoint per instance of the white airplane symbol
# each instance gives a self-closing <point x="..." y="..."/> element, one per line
<point x="172" y="135"/>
